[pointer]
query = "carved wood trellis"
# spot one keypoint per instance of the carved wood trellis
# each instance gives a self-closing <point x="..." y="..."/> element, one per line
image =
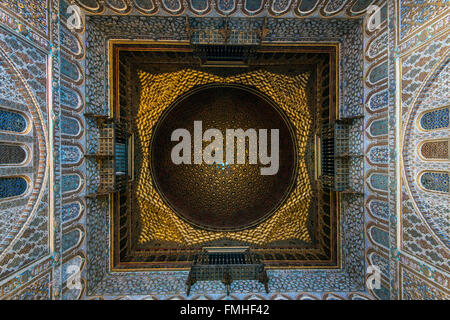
<point x="227" y="265"/>
<point x="111" y="134"/>
<point x="222" y="45"/>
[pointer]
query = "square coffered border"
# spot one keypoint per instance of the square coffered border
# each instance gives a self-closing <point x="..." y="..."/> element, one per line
<point x="100" y="280"/>
<point x="315" y="247"/>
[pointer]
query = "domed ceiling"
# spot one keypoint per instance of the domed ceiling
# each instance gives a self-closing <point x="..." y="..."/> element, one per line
<point x="224" y="196"/>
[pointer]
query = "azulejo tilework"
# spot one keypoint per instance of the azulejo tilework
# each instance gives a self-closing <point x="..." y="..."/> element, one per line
<point x="378" y="46"/>
<point x="435" y="119"/>
<point x="146" y="6"/>
<point x="427" y="180"/>
<point x="361" y="5"/>
<point x="70" y="70"/>
<point x="70" y="126"/>
<point x="356" y="173"/>
<point x="379" y="127"/>
<point x="280" y="7"/>
<point x="91" y="5"/>
<point x="71" y="43"/>
<point x="379" y="236"/>
<point x="252" y="6"/>
<point x="307" y="6"/>
<point x="377" y="152"/>
<point x="72" y="239"/>
<point x="378" y="101"/>
<point x="71" y="211"/>
<point x="356" y="137"/>
<point x="421" y="273"/>
<point x="379" y="181"/>
<point x="380" y="261"/>
<point x="415" y="287"/>
<point x="23" y="101"/>
<point x="70" y="154"/>
<point x="273" y="8"/>
<point x="34" y="13"/>
<point x="333" y="6"/>
<point x="418" y="238"/>
<point x="414" y="14"/>
<point x="379" y="209"/>
<point x="70" y="132"/>
<point x="422" y="54"/>
<point x="71" y="98"/>
<point x="12" y="154"/>
<point x="417" y="65"/>
<point x="37" y="290"/>
<point x="435" y="181"/>
<point x="70" y="182"/>
<point x="378" y="155"/>
<point x="378" y="73"/>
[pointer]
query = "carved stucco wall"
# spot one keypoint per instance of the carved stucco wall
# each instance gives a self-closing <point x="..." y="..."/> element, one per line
<point x="418" y="83"/>
<point x="43" y="229"/>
